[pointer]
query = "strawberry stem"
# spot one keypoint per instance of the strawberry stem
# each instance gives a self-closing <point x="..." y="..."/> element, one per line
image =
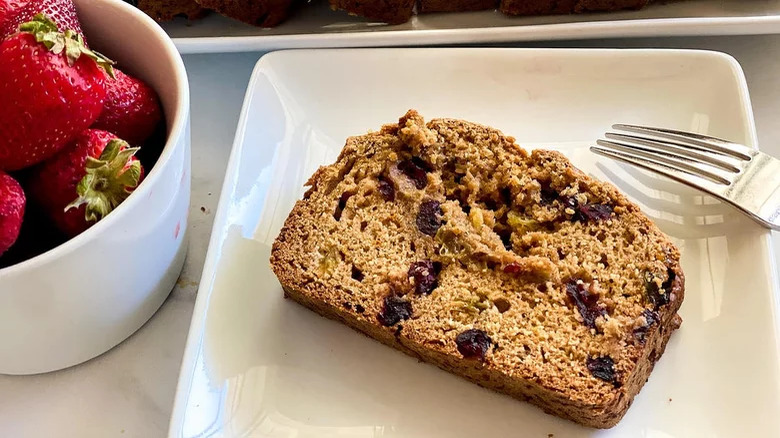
<point x="109" y="180"/>
<point x="46" y="32"/>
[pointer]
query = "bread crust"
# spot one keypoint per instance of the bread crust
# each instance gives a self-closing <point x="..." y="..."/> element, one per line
<point x="314" y="252"/>
<point x="269" y="13"/>
<point x="166" y="10"/>
<point x="387" y="11"/>
<point x="548" y="7"/>
<point x="263" y="13"/>
<point x="456" y="5"/>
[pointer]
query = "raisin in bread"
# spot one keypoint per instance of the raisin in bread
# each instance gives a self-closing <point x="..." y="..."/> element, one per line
<point x="456" y="5"/>
<point x="544" y="7"/>
<point x="263" y="13"/>
<point x="166" y="10"/>
<point x="512" y="269"/>
<point x="387" y="11"/>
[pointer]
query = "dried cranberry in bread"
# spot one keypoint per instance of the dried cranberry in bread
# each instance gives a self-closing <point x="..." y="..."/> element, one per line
<point x="512" y="269"/>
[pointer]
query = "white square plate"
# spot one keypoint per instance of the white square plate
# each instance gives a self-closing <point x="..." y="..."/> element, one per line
<point x="315" y="25"/>
<point x="257" y="365"/>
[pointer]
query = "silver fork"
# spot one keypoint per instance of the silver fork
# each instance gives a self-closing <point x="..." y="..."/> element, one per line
<point x="735" y="173"/>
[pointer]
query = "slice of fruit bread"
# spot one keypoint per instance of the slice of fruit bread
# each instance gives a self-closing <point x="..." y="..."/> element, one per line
<point x="515" y="270"/>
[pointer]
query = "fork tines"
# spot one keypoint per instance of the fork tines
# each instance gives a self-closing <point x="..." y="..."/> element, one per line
<point x="690" y="158"/>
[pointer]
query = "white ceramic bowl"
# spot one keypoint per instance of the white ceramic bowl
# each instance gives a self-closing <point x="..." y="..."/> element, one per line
<point x="85" y="296"/>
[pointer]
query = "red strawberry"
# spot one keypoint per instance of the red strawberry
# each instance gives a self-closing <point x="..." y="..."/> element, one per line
<point x="51" y="89"/>
<point x="132" y="109"/>
<point x="15" y="12"/>
<point x="86" y="180"/>
<point x="9" y="10"/>
<point x="12" y="202"/>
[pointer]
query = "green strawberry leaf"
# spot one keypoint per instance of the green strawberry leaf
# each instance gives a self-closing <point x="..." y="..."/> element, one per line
<point x="47" y="33"/>
<point x="109" y="180"/>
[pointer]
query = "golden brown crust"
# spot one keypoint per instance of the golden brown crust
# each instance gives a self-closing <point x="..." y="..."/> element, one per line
<point x="521" y="236"/>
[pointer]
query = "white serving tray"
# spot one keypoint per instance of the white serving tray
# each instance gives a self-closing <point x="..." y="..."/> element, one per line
<point x="257" y="365"/>
<point x="315" y="25"/>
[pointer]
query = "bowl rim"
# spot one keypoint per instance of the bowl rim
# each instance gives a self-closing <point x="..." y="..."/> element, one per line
<point x="176" y="132"/>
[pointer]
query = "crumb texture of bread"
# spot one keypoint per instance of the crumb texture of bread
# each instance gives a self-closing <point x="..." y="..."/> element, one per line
<point x="456" y="5"/>
<point x="166" y="10"/>
<point x="514" y="270"/>
<point x="263" y="13"/>
<point x="546" y="7"/>
<point x="387" y="11"/>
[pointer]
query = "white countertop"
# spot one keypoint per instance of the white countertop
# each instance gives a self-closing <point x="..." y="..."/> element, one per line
<point x="128" y="392"/>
